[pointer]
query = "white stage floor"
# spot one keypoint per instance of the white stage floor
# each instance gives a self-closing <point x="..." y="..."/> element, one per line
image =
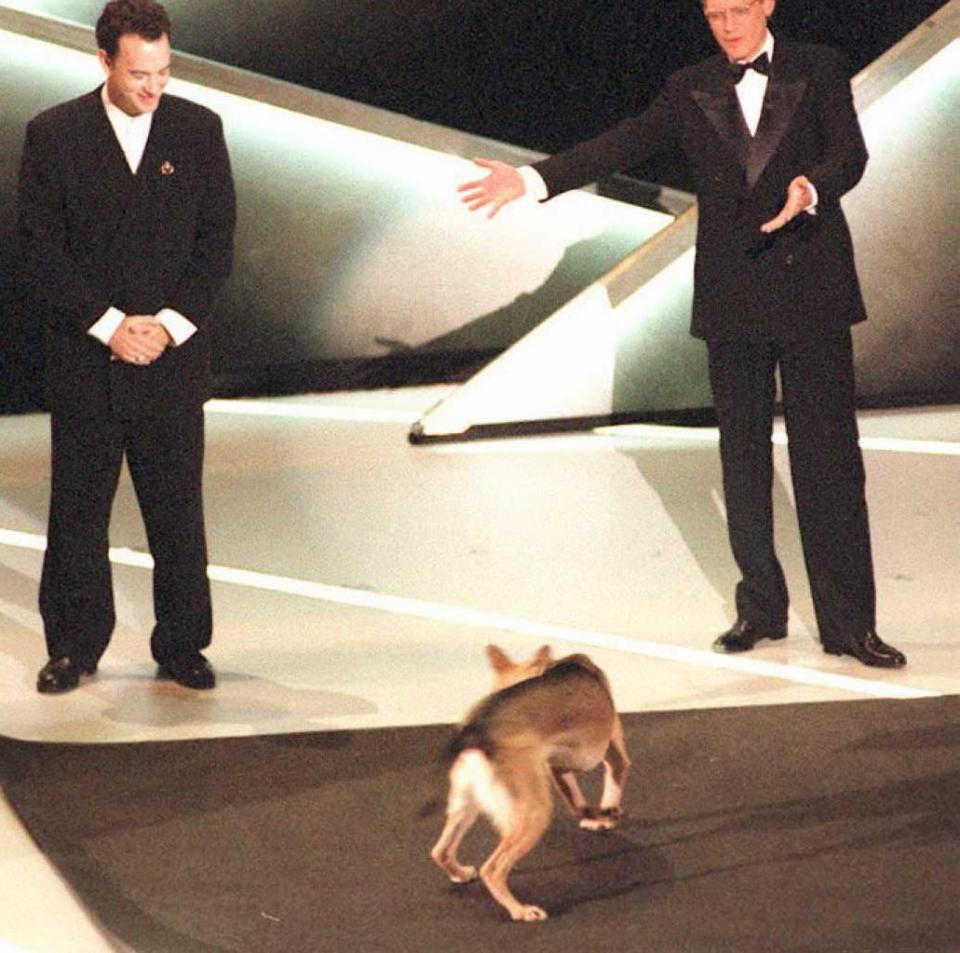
<point x="357" y="579"/>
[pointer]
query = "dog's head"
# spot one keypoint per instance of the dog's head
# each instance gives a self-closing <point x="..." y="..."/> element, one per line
<point x="507" y="672"/>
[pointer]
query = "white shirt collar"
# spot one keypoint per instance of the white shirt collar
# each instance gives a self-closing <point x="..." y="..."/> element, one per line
<point x="766" y="48"/>
<point x="132" y="132"/>
<point x="118" y="118"/>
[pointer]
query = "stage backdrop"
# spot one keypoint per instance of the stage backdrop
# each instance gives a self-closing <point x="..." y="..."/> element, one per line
<point x="538" y="73"/>
<point x="352" y="250"/>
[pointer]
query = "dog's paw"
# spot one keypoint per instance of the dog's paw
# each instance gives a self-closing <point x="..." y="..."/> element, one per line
<point x="464" y="875"/>
<point x="600" y="821"/>
<point x="596" y="824"/>
<point x="528" y="913"/>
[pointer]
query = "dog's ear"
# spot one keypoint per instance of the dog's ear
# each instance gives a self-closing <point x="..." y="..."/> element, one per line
<point x="544" y="655"/>
<point x="499" y="660"/>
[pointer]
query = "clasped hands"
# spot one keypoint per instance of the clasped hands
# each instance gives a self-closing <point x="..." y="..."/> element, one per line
<point x="140" y="339"/>
<point x="504" y="183"/>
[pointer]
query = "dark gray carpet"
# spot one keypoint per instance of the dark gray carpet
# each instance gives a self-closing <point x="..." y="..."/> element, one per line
<point x="789" y="829"/>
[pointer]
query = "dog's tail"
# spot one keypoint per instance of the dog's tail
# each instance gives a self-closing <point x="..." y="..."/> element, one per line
<point x="472" y="735"/>
<point x="475" y="734"/>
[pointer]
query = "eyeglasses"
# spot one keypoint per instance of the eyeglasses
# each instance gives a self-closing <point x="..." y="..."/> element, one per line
<point x="736" y="14"/>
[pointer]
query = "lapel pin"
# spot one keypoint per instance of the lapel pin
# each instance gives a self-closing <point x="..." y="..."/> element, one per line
<point x="166" y="168"/>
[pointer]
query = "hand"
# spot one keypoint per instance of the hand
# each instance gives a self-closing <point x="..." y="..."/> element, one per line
<point x="799" y="197"/>
<point x="502" y="185"/>
<point x="140" y="339"/>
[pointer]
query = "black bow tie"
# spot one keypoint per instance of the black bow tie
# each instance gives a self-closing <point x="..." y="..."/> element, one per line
<point x="761" y="64"/>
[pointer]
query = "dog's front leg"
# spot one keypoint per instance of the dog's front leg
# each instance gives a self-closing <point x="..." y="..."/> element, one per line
<point x="569" y="791"/>
<point x="616" y="764"/>
<point x="603" y="818"/>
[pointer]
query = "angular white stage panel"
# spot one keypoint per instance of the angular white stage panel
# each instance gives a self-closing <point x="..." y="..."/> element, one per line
<point x="905" y="216"/>
<point x="621" y="350"/>
<point x="619" y="345"/>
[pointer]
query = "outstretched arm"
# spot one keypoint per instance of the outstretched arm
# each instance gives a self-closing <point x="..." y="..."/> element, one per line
<point x="619" y="148"/>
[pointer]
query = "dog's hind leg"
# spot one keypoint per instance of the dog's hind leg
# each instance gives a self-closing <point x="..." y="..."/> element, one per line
<point x="521" y="825"/>
<point x="517" y="842"/>
<point x="459" y="820"/>
<point x="469" y="780"/>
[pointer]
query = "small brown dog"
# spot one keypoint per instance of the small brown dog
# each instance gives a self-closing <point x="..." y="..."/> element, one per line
<point x="544" y="721"/>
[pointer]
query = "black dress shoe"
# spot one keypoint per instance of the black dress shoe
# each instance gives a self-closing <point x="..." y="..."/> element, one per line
<point x="868" y="649"/>
<point x="744" y="635"/>
<point x="62" y="674"/>
<point x="191" y="671"/>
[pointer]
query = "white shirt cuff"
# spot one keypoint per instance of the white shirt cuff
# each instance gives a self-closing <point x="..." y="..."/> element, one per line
<point x="176" y="325"/>
<point x="533" y="183"/>
<point x="106" y="325"/>
<point x="811" y="209"/>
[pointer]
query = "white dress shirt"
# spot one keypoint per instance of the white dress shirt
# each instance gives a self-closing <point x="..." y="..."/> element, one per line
<point x="750" y="93"/>
<point x="753" y="87"/>
<point x="132" y="133"/>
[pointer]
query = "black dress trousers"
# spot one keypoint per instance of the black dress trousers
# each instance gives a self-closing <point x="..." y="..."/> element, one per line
<point x="826" y="466"/>
<point x="165" y="457"/>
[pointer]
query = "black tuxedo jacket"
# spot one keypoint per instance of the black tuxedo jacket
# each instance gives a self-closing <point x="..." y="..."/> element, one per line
<point x="94" y="235"/>
<point x="796" y="282"/>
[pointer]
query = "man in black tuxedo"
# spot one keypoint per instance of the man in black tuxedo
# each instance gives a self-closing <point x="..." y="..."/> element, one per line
<point x="770" y="133"/>
<point x="126" y="214"/>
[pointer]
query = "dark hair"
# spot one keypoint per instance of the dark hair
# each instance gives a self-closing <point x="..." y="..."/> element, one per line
<point x="121" y="17"/>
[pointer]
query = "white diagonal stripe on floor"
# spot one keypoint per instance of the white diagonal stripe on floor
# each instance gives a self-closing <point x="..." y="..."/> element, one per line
<point x="463" y="615"/>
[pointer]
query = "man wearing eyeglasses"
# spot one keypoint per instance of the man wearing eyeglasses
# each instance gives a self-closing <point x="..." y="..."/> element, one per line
<point x="770" y="133"/>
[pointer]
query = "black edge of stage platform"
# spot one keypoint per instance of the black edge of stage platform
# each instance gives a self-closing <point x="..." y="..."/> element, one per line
<point x="556" y="426"/>
<point x="785" y="829"/>
<point x="693" y="418"/>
